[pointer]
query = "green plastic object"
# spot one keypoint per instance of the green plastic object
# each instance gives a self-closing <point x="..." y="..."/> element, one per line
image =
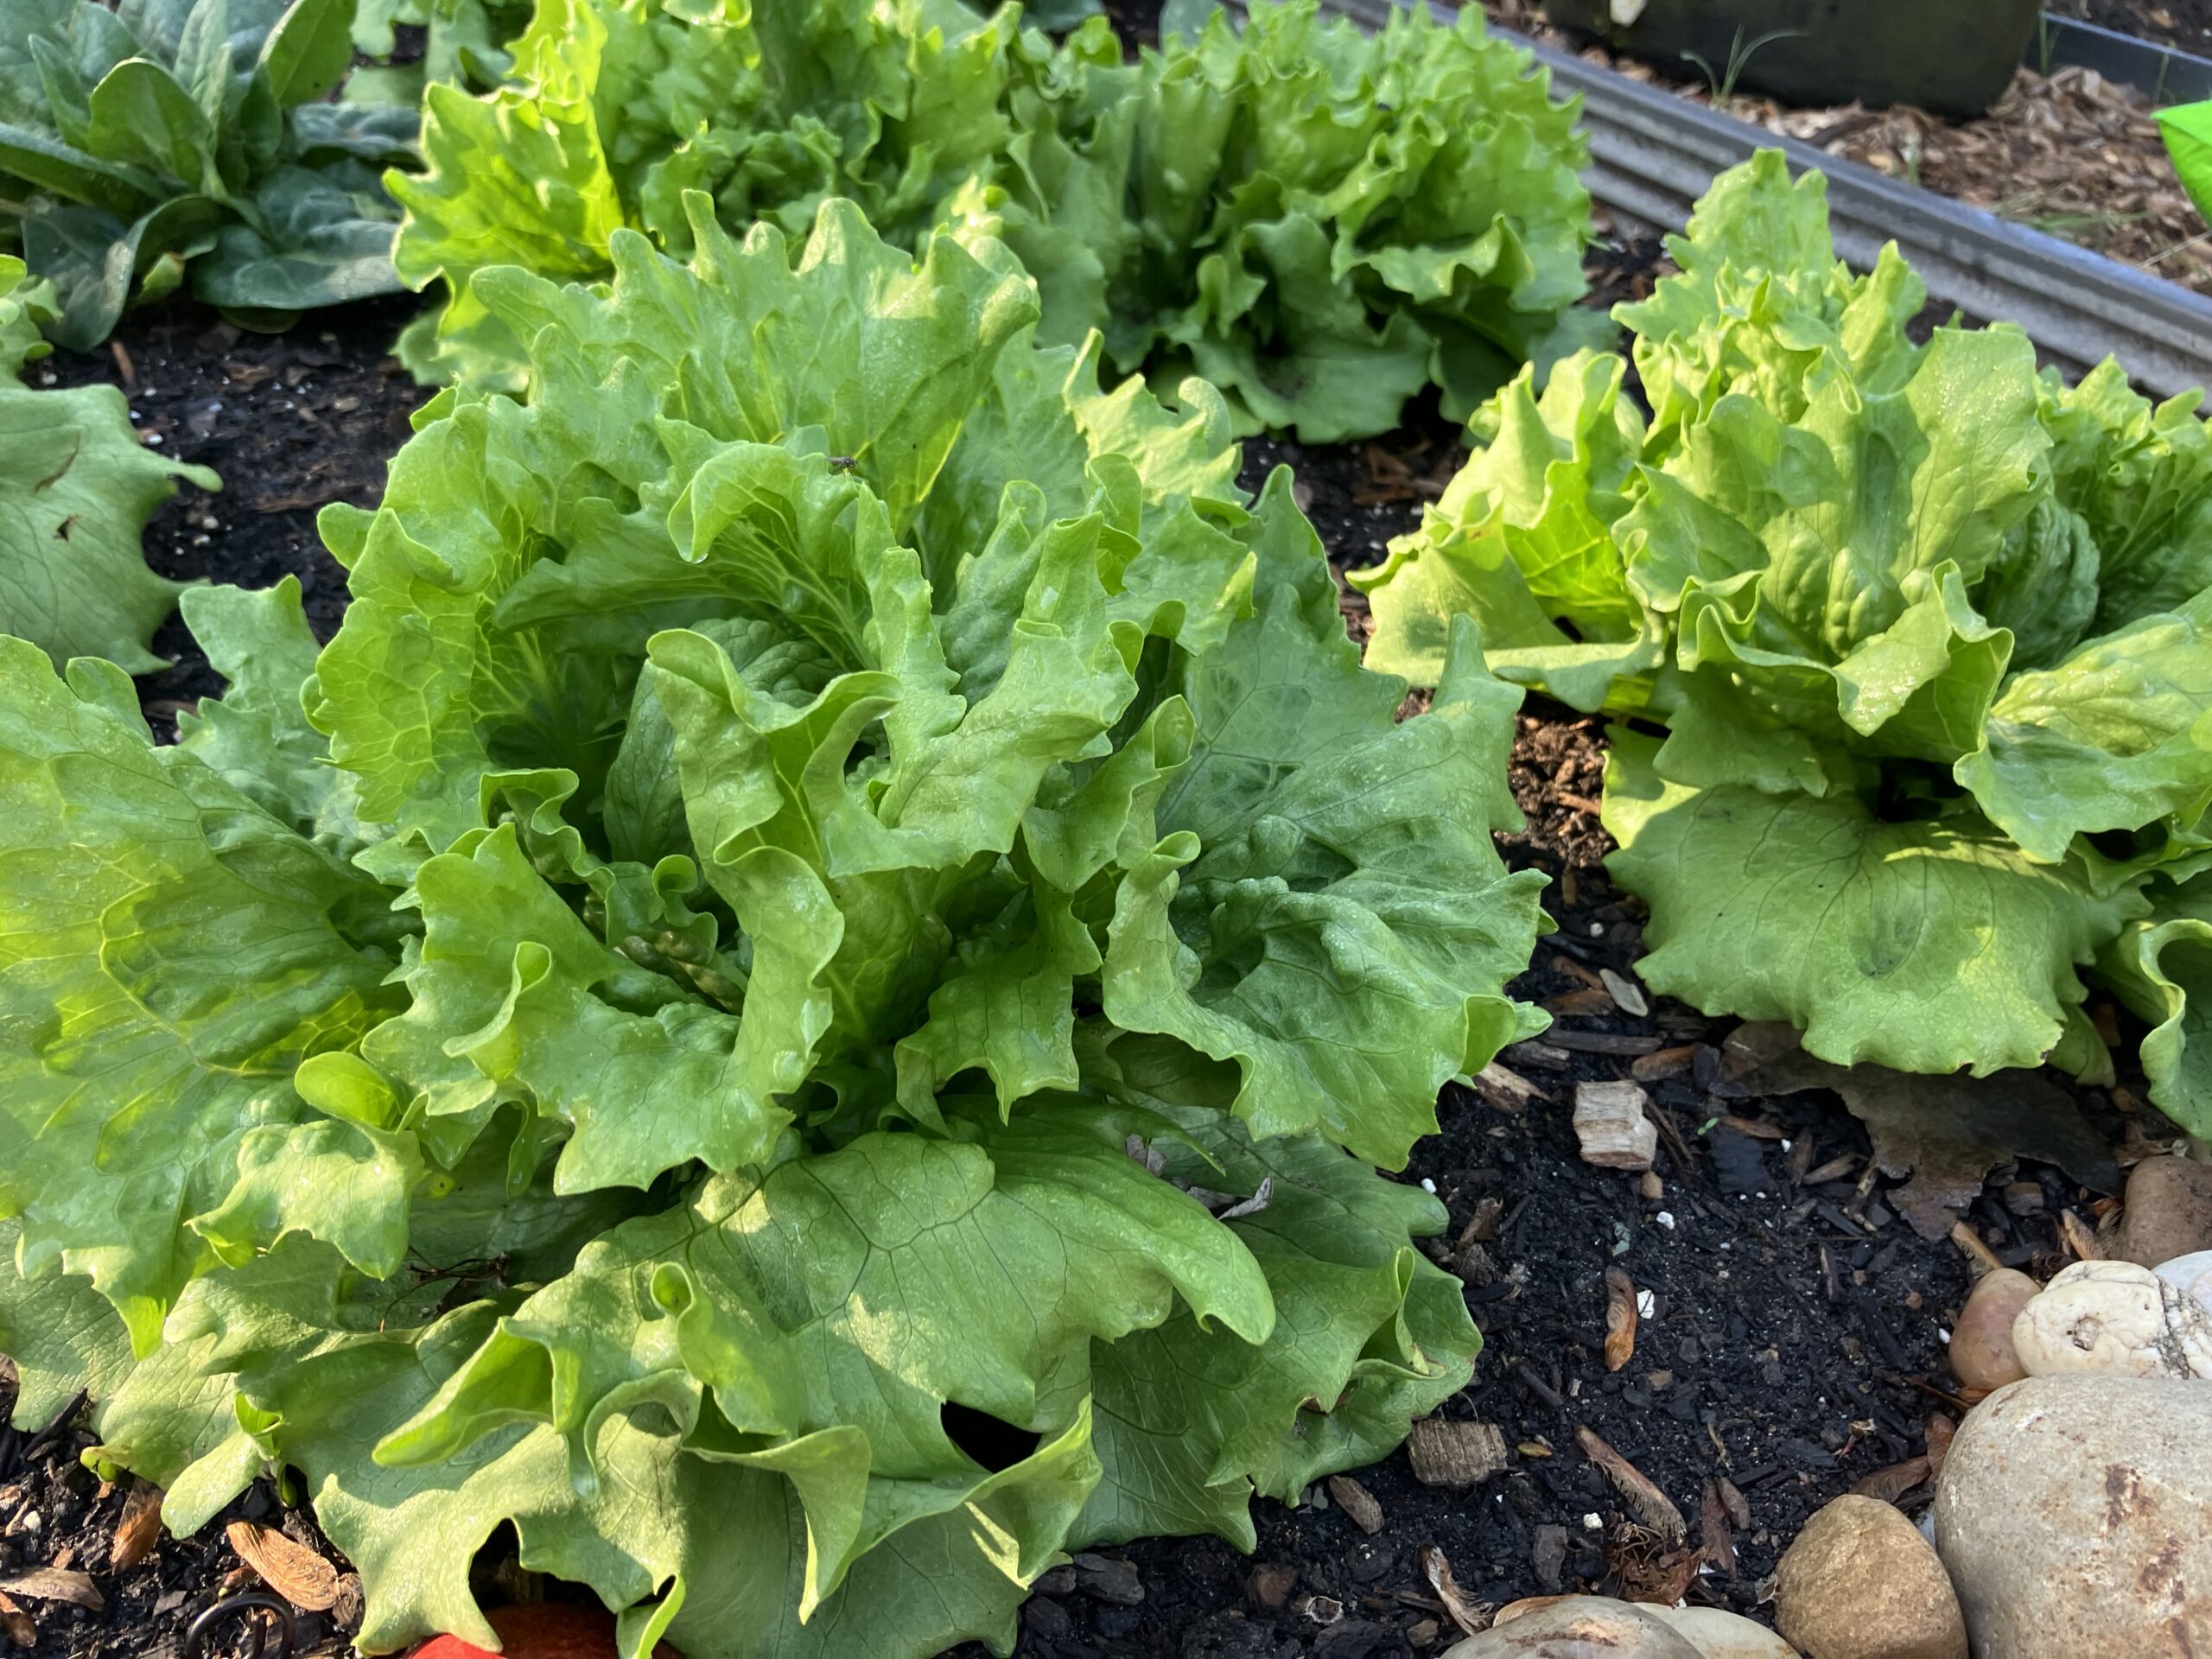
<point x="2187" y="128"/>
<point x="1953" y="57"/>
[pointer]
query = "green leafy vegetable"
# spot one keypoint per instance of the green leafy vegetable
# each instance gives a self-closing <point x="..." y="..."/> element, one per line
<point x="76" y="489"/>
<point x="1930" y="635"/>
<point x="1320" y="222"/>
<point x="464" y="42"/>
<point x="140" y="142"/>
<point x="862" y="884"/>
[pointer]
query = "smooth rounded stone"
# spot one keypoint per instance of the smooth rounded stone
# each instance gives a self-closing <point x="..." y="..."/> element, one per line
<point x="2166" y="1212"/>
<point x="2190" y="1275"/>
<point x="2075" y="1513"/>
<point x="1861" y="1582"/>
<point x="1982" y="1345"/>
<point x="2116" y="1317"/>
<point x="1718" y="1635"/>
<point x="1575" y="1627"/>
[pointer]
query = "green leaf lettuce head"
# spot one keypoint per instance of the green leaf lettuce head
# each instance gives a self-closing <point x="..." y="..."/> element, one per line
<point x="1321" y="222"/>
<point x="179" y="142"/>
<point x="76" y="489"/>
<point x="837" y="882"/>
<point x="1929" y="635"/>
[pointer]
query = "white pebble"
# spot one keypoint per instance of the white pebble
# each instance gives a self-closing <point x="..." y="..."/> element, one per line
<point x="1592" y="1520"/>
<point x="1665" y="1218"/>
<point x="1428" y="1186"/>
<point x="1647" y="1305"/>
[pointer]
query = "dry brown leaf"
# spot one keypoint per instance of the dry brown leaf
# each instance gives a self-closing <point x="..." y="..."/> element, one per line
<point x="55" y="1584"/>
<point x="1946" y="1132"/>
<point x="1472" y="1617"/>
<point x="1620" y="1318"/>
<point x="137" y="1529"/>
<point x="1676" y="1062"/>
<point x="2079" y="1238"/>
<point x="292" y="1570"/>
<point x="1645" y="1501"/>
<point x="1355" y="1501"/>
<point x="1716" y="1538"/>
<point x="1887" y="1485"/>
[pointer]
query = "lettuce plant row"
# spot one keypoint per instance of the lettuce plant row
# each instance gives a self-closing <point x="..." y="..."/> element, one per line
<point x="838" y="882"/>
<point x="1910" y="644"/>
<point x="1321" y="222"/>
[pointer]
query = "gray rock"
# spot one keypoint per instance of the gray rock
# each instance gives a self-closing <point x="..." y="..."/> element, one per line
<point x="2075" y="1514"/>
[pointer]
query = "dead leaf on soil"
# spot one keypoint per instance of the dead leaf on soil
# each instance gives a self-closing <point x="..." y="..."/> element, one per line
<point x="1620" y="1318"/>
<point x="137" y="1529"/>
<point x="1947" y="1132"/>
<point x="1645" y="1501"/>
<point x="1888" y="1485"/>
<point x="292" y="1570"/>
<point x="1939" y="1431"/>
<point x="56" y="1584"/>
<point x="1716" y="1539"/>
<point x="1472" y="1617"/>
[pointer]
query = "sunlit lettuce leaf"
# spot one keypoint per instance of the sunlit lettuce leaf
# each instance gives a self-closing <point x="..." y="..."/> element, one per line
<point x="169" y="957"/>
<point x="76" y="490"/>
<point x="1320" y="222"/>
<point x="1523" y="537"/>
<point x="1923" y="625"/>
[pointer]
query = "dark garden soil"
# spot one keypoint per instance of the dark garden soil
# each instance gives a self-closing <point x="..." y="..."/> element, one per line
<point x="1790" y="1345"/>
<point x="2184" y="23"/>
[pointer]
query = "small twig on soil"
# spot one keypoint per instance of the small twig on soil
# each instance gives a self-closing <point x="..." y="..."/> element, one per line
<point x="1536" y="1385"/>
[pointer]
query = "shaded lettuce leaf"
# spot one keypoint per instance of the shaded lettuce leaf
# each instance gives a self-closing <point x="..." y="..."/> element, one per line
<point x="1923" y="945"/>
<point x="2161" y="967"/>
<point x="1369" y="1334"/>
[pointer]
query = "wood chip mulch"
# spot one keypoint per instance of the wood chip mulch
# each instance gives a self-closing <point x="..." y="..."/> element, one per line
<point x="2069" y="153"/>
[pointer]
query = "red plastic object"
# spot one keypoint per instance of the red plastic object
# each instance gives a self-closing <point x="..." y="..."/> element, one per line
<point x="550" y="1629"/>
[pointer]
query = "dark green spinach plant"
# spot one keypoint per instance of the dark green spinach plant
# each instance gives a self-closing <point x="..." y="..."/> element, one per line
<point x="174" y="139"/>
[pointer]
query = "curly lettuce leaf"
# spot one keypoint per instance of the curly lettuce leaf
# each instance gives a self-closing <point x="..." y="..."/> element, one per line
<point x="172" y="954"/>
<point x="826" y="845"/>
<point x="1320" y="222"/>
<point x="76" y="490"/>
<point x="1925" y="944"/>
<point x="2161" y="966"/>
